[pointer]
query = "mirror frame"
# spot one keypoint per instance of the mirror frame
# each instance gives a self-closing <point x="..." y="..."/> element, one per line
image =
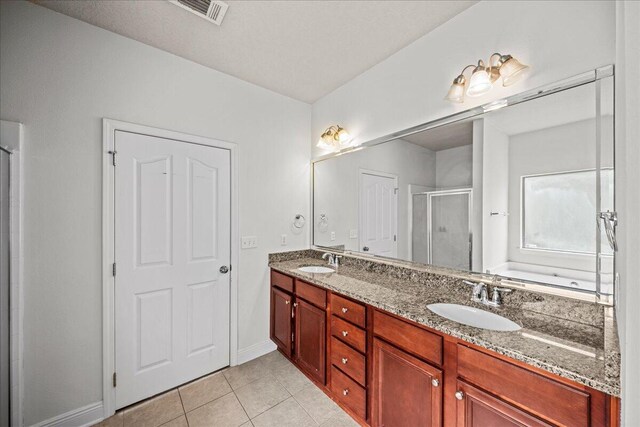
<point x="569" y="83"/>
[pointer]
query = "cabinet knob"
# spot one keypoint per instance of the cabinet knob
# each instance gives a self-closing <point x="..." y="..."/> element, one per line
<point x="287" y="302"/>
<point x="435" y="382"/>
<point x="344" y="360"/>
<point x="345" y="392"/>
<point x="295" y="304"/>
<point x="459" y="395"/>
<point x="345" y="333"/>
<point x="345" y="309"/>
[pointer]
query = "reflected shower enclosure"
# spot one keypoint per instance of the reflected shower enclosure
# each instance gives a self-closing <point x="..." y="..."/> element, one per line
<point x="441" y="228"/>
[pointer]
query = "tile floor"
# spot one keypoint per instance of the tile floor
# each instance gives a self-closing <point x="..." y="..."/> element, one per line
<point x="265" y="392"/>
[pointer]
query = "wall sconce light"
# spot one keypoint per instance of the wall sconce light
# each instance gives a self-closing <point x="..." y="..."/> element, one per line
<point x="482" y="77"/>
<point x="334" y="138"/>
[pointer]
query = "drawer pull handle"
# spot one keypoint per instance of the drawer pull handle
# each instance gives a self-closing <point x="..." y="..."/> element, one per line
<point x="435" y="382"/>
<point x="345" y="392"/>
<point x="459" y="395"/>
<point x="344" y="360"/>
<point x="345" y="309"/>
<point x="345" y="333"/>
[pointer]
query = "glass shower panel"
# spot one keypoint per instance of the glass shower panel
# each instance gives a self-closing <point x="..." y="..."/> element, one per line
<point x="605" y="187"/>
<point x="4" y="289"/>
<point x="450" y="230"/>
<point x="420" y="229"/>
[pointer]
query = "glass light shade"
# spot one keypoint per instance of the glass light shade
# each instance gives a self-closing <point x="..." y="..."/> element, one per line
<point x="479" y="84"/>
<point x="456" y="93"/>
<point x="511" y="71"/>
<point x="343" y="136"/>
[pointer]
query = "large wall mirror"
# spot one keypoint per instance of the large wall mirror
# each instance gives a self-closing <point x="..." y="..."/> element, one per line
<point x="524" y="192"/>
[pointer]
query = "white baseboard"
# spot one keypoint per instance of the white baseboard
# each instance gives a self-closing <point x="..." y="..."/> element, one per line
<point x="254" y="351"/>
<point x="81" y="417"/>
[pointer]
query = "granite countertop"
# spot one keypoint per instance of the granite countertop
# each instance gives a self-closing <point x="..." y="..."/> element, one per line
<point x="572" y="339"/>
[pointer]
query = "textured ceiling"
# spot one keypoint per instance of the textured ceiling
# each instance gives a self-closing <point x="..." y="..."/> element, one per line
<point x="444" y="137"/>
<point x="302" y="49"/>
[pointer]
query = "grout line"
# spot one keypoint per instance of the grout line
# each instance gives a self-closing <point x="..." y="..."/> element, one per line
<point x="182" y="403"/>
<point x="304" y="409"/>
<point x="243" y="410"/>
<point x="210" y="401"/>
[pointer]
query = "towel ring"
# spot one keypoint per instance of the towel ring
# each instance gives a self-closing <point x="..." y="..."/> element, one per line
<point x="299" y="221"/>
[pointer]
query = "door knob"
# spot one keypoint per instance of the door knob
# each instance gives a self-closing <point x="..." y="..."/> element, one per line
<point x="459" y="395"/>
<point x="224" y="269"/>
<point x="366" y="249"/>
<point x="435" y="382"/>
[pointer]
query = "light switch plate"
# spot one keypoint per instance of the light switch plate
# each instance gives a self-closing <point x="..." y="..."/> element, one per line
<point x="249" y="242"/>
<point x="283" y="240"/>
<point x="333" y="236"/>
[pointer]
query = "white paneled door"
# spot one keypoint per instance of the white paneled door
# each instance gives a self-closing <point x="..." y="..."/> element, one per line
<point x="172" y="252"/>
<point x="378" y="213"/>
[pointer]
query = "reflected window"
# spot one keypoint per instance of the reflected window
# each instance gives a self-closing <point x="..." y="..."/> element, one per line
<point x="559" y="210"/>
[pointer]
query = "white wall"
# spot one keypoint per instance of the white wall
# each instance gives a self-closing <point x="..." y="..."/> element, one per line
<point x="454" y="167"/>
<point x="558" y="39"/>
<point x="60" y="77"/>
<point x="336" y="183"/>
<point x="495" y="155"/>
<point x="628" y="202"/>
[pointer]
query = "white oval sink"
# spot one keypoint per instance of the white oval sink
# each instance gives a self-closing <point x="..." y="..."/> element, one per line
<point x="474" y="317"/>
<point x="316" y="269"/>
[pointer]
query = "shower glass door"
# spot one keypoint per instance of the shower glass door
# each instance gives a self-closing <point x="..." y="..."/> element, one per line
<point x="450" y="228"/>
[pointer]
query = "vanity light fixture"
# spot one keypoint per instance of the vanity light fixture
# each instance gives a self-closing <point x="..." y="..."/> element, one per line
<point x="482" y="77"/>
<point x="334" y="138"/>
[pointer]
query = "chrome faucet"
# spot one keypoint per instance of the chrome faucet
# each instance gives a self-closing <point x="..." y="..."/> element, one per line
<point x="480" y="294"/>
<point x="333" y="259"/>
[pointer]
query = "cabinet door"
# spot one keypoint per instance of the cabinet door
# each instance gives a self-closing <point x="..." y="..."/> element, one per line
<point x="281" y="320"/>
<point x="477" y="408"/>
<point x="406" y="390"/>
<point x="310" y="339"/>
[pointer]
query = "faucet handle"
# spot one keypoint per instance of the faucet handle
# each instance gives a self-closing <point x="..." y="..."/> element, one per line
<point x="497" y="294"/>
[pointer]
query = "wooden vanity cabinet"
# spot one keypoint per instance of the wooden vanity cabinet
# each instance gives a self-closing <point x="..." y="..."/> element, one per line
<point x="281" y="314"/>
<point x="299" y="322"/>
<point x="478" y="408"/>
<point x="406" y="390"/>
<point x="388" y="371"/>
<point x="310" y="339"/>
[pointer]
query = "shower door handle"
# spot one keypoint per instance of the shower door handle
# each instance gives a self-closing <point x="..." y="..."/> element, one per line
<point x="610" y="221"/>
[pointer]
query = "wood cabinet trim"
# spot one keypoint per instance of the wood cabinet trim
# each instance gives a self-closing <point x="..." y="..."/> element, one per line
<point x="311" y="293"/>
<point x="282" y="281"/>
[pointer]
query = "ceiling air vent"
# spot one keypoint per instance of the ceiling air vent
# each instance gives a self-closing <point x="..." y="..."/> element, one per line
<point x="211" y="10"/>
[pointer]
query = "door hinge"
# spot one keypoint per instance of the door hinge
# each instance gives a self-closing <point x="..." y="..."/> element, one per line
<point x="114" y="379"/>
<point x="113" y="269"/>
<point x="113" y="156"/>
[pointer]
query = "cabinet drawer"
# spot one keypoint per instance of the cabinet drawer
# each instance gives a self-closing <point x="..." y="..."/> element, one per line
<point x="348" y="360"/>
<point x="348" y="310"/>
<point x="548" y="399"/>
<point x="281" y="281"/>
<point x="349" y="392"/>
<point x="409" y="337"/>
<point x="351" y="334"/>
<point x="313" y="294"/>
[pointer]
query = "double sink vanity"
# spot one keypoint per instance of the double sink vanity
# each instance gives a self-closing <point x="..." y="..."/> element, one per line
<point x="404" y="344"/>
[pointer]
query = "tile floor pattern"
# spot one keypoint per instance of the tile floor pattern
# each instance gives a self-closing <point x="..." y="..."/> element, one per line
<point x="265" y="392"/>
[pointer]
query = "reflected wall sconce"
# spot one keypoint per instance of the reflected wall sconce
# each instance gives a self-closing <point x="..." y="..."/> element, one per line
<point x="483" y="77"/>
<point x="334" y="138"/>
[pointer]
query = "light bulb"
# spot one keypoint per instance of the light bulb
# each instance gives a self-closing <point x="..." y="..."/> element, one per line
<point x="480" y="83"/>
